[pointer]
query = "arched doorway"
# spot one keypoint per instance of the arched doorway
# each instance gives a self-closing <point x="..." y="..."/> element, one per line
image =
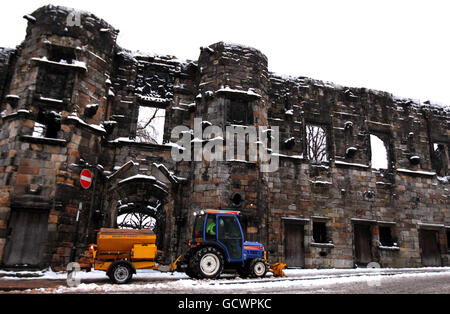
<point x="141" y="205"/>
<point x="139" y="216"/>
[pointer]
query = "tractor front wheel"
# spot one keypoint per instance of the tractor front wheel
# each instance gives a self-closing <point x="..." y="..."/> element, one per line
<point x="258" y="268"/>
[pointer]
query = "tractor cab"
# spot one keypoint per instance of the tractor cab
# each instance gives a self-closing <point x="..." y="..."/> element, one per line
<point x="217" y="243"/>
<point x="222" y="228"/>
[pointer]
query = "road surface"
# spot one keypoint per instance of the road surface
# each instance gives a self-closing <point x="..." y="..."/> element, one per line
<point x="351" y="281"/>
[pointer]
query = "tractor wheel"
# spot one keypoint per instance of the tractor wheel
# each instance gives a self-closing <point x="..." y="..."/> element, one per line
<point x="189" y="261"/>
<point x="258" y="268"/>
<point x="120" y="273"/>
<point x="208" y="263"/>
<point x="190" y="270"/>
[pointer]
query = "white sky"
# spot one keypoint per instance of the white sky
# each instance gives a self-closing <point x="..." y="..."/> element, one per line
<point x="401" y="47"/>
<point x="379" y="153"/>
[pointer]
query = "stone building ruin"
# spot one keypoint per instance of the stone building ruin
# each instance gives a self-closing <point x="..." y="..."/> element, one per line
<point x="71" y="99"/>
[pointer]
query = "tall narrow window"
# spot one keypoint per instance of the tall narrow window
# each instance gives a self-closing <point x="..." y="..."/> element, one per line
<point x="320" y="232"/>
<point x="61" y="54"/>
<point x="379" y="153"/>
<point x="47" y="125"/>
<point x="448" y="240"/>
<point x="386" y="238"/>
<point x="440" y="159"/>
<point x="240" y="112"/>
<point x="316" y="139"/>
<point x="150" y="126"/>
<point x="55" y="83"/>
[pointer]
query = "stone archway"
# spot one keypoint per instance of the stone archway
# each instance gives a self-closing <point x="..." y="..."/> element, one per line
<point x="144" y="215"/>
<point x="141" y="205"/>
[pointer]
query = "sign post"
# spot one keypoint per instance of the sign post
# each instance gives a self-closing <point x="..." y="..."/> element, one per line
<point x="86" y="182"/>
<point x="74" y="247"/>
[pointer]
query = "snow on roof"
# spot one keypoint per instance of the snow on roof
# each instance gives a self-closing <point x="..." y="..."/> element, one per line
<point x="93" y="126"/>
<point x="135" y="55"/>
<point x="175" y="145"/>
<point x="138" y="177"/>
<point x="169" y="173"/>
<point x="307" y="82"/>
<point x="236" y="46"/>
<point x="29" y="18"/>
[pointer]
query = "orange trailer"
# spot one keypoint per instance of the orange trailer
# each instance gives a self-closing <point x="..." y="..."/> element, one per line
<point x="120" y="252"/>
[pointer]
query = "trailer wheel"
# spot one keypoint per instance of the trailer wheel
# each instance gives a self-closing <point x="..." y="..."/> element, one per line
<point x="120" y="273"/>
<point x="258" y="268"/>
<point x="208" y="263"/>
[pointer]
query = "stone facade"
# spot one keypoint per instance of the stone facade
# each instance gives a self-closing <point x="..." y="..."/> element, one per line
<point x="71" y="99"/>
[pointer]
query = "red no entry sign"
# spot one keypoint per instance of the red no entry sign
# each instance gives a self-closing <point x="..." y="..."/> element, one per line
<point x="86" y="179"/>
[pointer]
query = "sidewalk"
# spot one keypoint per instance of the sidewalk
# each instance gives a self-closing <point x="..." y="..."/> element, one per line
<point x="24" y="280"/>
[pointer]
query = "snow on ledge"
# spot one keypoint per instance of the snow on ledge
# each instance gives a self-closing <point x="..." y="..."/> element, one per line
<point x="76" y="64"/>
<point x="227" y="89"/>
<point x="425" y="173"/>
<point x="343" y="163"/>
<point x="430" y="225"/>
<point x="389" y="248"/>
<point x="93" y="126"/>
<point x="322" y="245"/>
<point x="320" y="182"/>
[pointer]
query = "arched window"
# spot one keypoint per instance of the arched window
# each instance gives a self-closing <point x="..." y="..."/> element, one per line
<point x="379" y="153"/>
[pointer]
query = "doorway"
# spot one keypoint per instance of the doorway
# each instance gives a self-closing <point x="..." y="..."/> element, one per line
<point x="294" y="244"/>
<point x="429" y="243"/>
<point x="26" y="238"/>
<point x="363" y="244"/>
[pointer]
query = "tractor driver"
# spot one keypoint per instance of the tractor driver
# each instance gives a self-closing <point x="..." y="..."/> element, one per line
<point x="211" y="227"/>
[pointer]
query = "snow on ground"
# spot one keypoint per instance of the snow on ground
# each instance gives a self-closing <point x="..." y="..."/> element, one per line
<point x="151" y="281"/>
<point x="226" y="286"/>
<point x="49" y="274"/>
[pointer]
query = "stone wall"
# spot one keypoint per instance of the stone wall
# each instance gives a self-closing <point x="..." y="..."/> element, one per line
<point x="346" y="187"/>
<point x="86" y="92"/>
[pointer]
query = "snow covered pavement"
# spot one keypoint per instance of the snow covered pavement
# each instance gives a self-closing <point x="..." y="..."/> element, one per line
<point x="433" y="280"/>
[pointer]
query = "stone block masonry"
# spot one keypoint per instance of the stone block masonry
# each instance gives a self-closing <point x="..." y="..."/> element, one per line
<point x="71" y="99"/>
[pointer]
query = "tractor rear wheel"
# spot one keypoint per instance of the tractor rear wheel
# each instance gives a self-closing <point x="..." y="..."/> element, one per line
<point x="208" y="263"/>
